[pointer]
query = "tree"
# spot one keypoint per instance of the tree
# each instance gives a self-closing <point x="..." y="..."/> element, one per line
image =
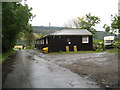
<point x="28" y="34"/>
<point x="88" y="22"/>
<point x="29" y="37"/>
<point x="15" y="18"/>
<point x="41" y="35"/>
<point x="115" y="25"/>
<point x="107" y="28"/>
<point x="119" y="23"/>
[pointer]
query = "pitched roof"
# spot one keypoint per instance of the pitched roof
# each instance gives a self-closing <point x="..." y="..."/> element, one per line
<point x="72" y="32"/>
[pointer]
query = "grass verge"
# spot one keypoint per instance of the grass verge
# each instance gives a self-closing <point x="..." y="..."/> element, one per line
<point x="5" y="55"/>
<point x="114" y="50"/>
<point x="8" y="61"/>
<point x="97" y="51"/>
<point x="29" y="47"/>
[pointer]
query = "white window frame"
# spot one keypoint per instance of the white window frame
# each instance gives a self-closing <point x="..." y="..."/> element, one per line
<point x="59" y="36"/>
<point x="43" y="41"/>
<point x="46" y="40"/>
<point x="40" y="41"/>
<point x="85" y="39"/>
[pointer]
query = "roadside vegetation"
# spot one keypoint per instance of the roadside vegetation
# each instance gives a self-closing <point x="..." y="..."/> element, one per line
<point x="29" y="47"/>
<point x="8" y="59"/>
<point x="97" y="41"/>
<point x="116" y="48"/>
<point x="5" y="55"/>
<point x="17" y="25"/>
<point x="75" y="52"/>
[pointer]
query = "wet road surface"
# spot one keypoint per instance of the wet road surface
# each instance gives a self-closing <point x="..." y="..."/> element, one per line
<point x="30" y="70"/>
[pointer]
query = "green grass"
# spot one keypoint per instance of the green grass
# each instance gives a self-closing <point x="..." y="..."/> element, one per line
<point x="19" y="43"/>
<point x="114" y="50"/>
<point x="97" y="41"/>
<point x="97" y="51"/>
<point x="117" y="43"/>
<point x="29" y="47"/>
<point x="5" y="55"/>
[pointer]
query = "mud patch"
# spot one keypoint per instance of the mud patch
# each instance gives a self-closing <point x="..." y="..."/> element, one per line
<point x="99" y="67"/>
<point x="105" y="77"/>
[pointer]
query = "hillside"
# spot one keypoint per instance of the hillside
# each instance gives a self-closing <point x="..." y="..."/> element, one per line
<point x="101" y="34"/>
<point x="48" y="30"/>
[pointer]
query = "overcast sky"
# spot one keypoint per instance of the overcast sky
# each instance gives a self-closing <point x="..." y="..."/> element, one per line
<point x="59" y="12"/>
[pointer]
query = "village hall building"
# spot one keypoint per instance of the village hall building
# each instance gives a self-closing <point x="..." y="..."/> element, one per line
<point x="80" y="38"/>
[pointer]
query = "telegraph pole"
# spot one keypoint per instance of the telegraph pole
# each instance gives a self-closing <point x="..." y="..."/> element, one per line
<point x="49" y="25"/>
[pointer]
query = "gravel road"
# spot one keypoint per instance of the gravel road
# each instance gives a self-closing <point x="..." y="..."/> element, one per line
<point x="99" y="67"/>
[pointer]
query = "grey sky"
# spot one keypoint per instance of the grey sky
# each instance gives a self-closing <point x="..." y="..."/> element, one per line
<point x="59" y="12"/>
<point x="10" y="0"/>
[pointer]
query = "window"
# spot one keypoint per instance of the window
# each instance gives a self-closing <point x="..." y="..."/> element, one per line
<point x="109" y="41"/>
<point x="85" y="39"/>
<point x="43" y="41"/>
<point x="46" y="40"/>
<point x="59" y="36"/>
<point x="40" y="41"/>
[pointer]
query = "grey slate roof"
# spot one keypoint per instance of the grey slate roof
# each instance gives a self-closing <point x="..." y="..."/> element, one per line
<point x="72" y="32"/>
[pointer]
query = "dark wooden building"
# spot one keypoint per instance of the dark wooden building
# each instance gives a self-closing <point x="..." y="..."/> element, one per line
<point x="58" y="41"/>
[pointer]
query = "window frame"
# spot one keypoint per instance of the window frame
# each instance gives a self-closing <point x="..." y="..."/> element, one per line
<point x="46" y="40"/>
<point x="85" y="39"/>
<point x="43" y="41"/>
